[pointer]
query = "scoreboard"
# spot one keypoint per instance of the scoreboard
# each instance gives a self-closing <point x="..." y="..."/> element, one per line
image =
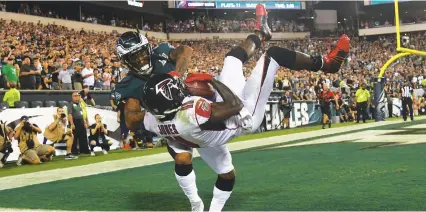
<point x="375" y="2"/>
<point x="295" y="5"/>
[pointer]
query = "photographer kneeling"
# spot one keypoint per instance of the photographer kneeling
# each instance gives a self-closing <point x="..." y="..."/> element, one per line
<point x="6" y="134"/>
<point x="31" y="150"/>
<point x="97" y="136"/>
<point x="57" y="132"/>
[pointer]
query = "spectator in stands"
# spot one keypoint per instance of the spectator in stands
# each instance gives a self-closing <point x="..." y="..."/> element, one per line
<point x="9" y="72"/>
<point x="38" y="68"/>
<point x="78" y="125"/>
<point x="107" y="79"/>
<point x="57" y="132"/>
<point x="55" y="75"/>
<point x="77" y="77"/>
<point x="97" y="137"/>
<point x="46" y="77"/>
<point x="31" y="150"/>
<point x="27" y="75"/>
<point x="117" y="73"/>
<point x="6" y="134"/>
<point x="12" y="95"/>
<point x="99" y="82"/>
<point x="65" y="80"/>
<point x="88" y="76"/>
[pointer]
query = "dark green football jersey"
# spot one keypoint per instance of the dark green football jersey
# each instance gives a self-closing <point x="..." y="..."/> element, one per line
<point x="131" y="86"/>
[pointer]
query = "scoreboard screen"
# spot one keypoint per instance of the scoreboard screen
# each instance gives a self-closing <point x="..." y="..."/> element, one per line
<point x="375" y="2"/>
<point x="237" y="4"/>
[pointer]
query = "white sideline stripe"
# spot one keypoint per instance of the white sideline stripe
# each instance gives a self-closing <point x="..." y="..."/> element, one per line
<point x="11" y="182"/>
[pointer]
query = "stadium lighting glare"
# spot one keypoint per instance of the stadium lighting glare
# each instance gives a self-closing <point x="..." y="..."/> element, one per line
<point x="245" y="11"/>
<point x="344" y="19"/>
<point x="224" y="13"/>
<point x="338" y="22"/>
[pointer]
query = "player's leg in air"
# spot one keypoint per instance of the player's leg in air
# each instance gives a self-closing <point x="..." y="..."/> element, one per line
<point x="259" y="85"/>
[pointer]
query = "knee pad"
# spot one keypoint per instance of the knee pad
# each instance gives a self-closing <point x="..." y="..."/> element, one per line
<point x="238" y="53"/>
<point x="225" y="184"/>
<point x="284" y="57"/>
<point x="183" y="169"/>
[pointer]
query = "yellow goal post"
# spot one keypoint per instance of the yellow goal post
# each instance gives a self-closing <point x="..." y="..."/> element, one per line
<point x="379" y="83"/>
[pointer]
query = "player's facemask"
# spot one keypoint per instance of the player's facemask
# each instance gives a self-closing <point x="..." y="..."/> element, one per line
<point x="139" y="60"/>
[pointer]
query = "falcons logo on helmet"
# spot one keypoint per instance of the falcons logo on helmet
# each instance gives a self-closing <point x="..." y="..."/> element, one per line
<point x="164" y="87"/>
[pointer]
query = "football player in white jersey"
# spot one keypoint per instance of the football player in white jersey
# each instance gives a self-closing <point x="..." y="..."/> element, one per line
<point x="195" y="122"/>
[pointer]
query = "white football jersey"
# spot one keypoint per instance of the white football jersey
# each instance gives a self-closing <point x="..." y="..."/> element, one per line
<point x="185" y="126"/>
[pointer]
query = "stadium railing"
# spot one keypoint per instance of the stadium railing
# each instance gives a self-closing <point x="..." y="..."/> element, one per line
<point x="48" y="96"/>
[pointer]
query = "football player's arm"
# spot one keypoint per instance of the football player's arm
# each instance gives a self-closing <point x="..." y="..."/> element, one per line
<point x="230" y="106"/>
<point x="182" y="56"/>
<point x="133" y="114"/>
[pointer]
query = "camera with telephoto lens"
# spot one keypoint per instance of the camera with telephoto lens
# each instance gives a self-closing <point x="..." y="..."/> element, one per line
<point x="30" y="143"/>
<point x="63" y="116"/>
<point x="27" y="127"/>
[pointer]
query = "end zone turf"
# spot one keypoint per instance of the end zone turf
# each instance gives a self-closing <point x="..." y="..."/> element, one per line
<point x="340" y="175"/>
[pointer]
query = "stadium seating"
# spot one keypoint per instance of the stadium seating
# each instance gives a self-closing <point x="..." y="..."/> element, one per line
<point x="36" y="104"/>
<point x="62" y="103"/>
<point x="21" y="104"/>
<point x="3" y="106"/>
<point x="50" y="104"/>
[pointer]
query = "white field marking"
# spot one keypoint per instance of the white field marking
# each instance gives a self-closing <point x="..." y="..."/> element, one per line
<point x="10" y="182"/>
<point x="368" y="136"/>
<point x="417" y="126"/>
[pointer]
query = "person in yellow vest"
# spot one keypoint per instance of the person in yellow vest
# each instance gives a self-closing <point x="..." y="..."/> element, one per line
<point x="12" y="95"/>
<point x="362" y="99"/>
<point x="31" y="150"/>
<point x="83" y="106"/>
<point x="57" y="132"/>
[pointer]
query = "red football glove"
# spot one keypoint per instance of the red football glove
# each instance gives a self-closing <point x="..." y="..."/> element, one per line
<point x="198" y="77"/>
<point x="174" y="74"/>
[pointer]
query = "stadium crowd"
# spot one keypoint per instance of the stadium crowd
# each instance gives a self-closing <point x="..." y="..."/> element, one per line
<point x="208" y="25"/>
<point x="36" y="56"/>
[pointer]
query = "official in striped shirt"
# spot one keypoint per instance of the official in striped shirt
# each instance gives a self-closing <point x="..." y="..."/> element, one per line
<point x="405" y="94"/>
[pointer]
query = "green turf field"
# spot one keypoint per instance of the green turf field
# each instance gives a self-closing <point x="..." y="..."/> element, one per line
<point x="367" y="175"/>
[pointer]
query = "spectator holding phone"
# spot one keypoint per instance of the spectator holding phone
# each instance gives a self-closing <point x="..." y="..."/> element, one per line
<point x="97" y="137"/>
